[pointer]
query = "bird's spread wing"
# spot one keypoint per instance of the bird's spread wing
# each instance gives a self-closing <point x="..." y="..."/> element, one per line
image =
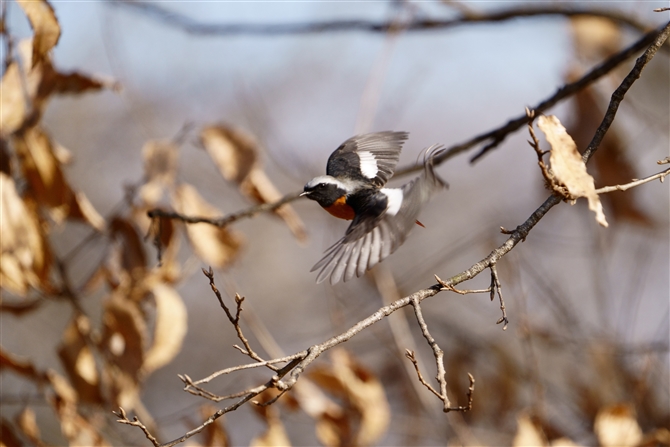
<point x="371" y="157"/>
<point x="374" y="234"/>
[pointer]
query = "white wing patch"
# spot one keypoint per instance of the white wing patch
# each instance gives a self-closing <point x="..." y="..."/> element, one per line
<point x="395" y="197"/>
<point x="368" y="164"/>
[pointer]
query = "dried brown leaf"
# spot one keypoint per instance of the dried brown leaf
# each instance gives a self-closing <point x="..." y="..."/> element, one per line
<point x="234" y="151"/>
<point x="76" y="428"/>
<point x="361" y="390"/>
<point x="219" y="247"/>
<point x="27" y="422"/>
<point x="47" y="182"/>
<point x="160" y="169"/>
<point x="568" y="166"/>
<point x="259" y="187"/>
<point x="528" y="433"/>
<point x="170" y="330"/>
<point x="26" y="87"/>
<point x="332" y="425"/>
<point x="78" y="361"/>
<point x="236" y="155"/>
<point x="46" y="30"/>
<point x="124" y="334"/>
<point x="25" y="255"/>
<point x="616" y="426"/>
<point x="133" y="256"/>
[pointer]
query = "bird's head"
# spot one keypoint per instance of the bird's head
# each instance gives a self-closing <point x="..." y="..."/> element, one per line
<point x="325" y="190"/>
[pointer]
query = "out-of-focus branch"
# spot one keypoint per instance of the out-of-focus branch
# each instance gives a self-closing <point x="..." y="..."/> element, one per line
<point x="496" y="136"/>
<point x="227" y="219"/>
<point x="293" y="369"/>
<point x="192" y="26"/>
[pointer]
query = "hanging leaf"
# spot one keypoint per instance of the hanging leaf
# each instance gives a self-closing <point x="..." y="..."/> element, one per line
<point x="218" y="247"/>
<point x="362" y="390"/>
<point x="568" y="166"/>
<point x="25" y="257"/>
<point x="78" y="361"/>
<point x="46" y="30"/>
<point x="615" y="426"/>
<point x="236" y="154"/>
<point x="170" y="330"/>
<point x="47" y="182"/>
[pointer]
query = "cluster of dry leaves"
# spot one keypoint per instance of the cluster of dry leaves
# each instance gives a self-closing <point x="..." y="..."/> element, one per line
<point x="144" y="319"/>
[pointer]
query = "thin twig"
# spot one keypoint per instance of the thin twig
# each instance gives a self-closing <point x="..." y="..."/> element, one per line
<point x="660" y="176"/>
<point x="235" y="320"/>
<point x="497" y="287"/>
<point x="123" y="419"/>
<point x="439" y="361"/>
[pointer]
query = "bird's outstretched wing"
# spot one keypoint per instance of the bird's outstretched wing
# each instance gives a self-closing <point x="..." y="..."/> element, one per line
<point x="374" y="235"/>
<point x="371" y="157"/>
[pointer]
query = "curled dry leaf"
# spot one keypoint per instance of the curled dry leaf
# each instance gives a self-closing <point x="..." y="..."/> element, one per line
<point x="160" y="169"/>
<point x="25" y="256"/>
<point x="236" y="154"/>
<point x="361" y="390"/>
<point x="615" y="426"/>
<point x="528" y="433"/>
<point x="332" y="426"/>
<point x="78" y="360"/>
<point x="171" y="325"/>
<point x="26" y="87"/>
<point x="124" y="333"/>
<point x="46" y="30"/>
<point x="77" y="429"/>
<point x="568" y="166"/>
<point x="133" y="256"/>
<point x="27" y="422"/>
<point x="47" y="183"/>
<point x="218" y="247"/>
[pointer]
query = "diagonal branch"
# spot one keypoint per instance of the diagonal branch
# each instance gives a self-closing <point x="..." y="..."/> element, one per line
<point x="292" y="371"/>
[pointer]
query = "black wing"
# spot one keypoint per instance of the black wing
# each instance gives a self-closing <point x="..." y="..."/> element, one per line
<point x="371" y="157"/>
<point x="372" y="237"/>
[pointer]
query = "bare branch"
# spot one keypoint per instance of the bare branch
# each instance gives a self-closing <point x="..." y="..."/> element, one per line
<point x="123" y="419"/>
<point x="660" y="176"/>
<point x="439" y="361"/>
<point x="235" y="321"/>
<point x="191" y="26"/>
<point x="228" y="219"/>
<point x="625" y="85"/>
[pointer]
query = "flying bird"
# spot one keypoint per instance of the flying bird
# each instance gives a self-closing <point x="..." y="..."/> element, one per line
<point x="353" y="189"/>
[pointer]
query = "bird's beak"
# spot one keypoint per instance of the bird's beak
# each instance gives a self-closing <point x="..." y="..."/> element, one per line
<point x="305" y="193"/>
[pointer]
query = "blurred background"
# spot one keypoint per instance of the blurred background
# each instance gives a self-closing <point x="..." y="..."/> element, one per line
<point x="588" y="306"/>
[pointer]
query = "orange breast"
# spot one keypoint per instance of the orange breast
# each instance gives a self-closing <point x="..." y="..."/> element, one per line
<point x="340" y="209"/>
